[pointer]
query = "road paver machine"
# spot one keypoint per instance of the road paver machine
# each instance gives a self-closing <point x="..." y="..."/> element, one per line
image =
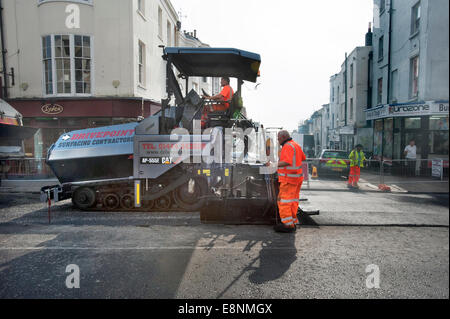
<point x="168" y="162"/>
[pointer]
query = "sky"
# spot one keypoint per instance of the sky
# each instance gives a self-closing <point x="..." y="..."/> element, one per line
<point x="302" y="43"/>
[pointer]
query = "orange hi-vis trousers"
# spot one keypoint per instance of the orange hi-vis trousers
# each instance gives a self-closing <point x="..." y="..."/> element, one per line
<point x="353" y="177"/>
<point x="288" y="200"/>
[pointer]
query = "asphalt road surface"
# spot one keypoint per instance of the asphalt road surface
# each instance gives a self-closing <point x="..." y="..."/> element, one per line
<point x="172" y="255"/>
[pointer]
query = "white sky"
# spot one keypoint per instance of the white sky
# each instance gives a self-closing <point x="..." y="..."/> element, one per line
<point x="301" y="42"/>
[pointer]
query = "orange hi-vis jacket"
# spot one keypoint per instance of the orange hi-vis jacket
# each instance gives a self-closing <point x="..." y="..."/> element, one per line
<point x="293" y="154"/>
<point x="227" y="93"/>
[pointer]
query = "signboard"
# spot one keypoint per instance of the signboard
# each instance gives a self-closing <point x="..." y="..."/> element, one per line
<point x="408" y="109"/>
<point x="52" y="109"/>
<point x="436" y="168"/>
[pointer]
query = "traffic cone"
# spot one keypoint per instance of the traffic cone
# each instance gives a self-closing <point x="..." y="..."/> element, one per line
<point x="314" y="172"/>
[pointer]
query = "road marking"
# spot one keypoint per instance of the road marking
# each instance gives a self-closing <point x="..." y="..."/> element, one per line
<point x="144" y="248"/>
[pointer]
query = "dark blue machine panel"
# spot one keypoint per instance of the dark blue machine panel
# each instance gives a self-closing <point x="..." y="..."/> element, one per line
<point x="95" y="142"/>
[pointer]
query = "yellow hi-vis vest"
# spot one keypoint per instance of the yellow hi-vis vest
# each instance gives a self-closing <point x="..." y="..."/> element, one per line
<point x="357" y="158"/>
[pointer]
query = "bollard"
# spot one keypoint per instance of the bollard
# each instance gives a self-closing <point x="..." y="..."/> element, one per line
<point x="314" y="172"/>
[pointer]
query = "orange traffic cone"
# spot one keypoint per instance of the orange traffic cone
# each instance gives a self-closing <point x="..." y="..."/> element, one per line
<point x="314" y="172"/>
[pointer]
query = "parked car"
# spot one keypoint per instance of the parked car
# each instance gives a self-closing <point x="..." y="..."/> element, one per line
<point x="333" y="162"/>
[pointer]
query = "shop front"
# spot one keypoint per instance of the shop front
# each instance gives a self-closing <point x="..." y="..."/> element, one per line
<point x="395" y="125"/>
<point x="56" y="117"/>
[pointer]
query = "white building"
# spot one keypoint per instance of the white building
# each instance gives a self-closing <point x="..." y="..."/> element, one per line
<point x="87" y="63"/>
<point x="348" y="101"/>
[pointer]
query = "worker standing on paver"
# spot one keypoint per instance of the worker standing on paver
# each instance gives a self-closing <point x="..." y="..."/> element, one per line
<point x="290" y="176"/>
<point x="357" y="159"/>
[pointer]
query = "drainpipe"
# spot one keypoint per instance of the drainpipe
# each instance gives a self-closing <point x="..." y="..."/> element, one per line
<point x="345" y="80"/>
<point x="2" y="39"/>
<point x="389" y="54"/>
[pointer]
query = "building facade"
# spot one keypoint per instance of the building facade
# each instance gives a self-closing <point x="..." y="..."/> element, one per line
<point x="349" y="91"/>
<point x="87" y="63"/>
<point x="410" y="78"/>
<point x="395" y="88"/>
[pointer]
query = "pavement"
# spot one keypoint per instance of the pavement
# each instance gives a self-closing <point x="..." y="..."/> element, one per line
<point x="173" y="255"/>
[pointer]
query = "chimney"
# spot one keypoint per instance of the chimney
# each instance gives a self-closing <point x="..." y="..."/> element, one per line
<point x="369" y="36"/>
<point x="195" y="33"/>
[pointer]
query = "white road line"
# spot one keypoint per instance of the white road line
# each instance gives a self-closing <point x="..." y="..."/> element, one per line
<point x="140" y="248"/>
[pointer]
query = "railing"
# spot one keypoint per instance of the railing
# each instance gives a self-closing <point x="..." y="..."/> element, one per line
<point x="25" y="168"/>
<point x="418" y="175"/>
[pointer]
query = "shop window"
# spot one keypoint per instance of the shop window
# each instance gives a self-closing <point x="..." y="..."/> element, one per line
<point x="377" y="138"/>
<point x="438" y="123"/>
<point x="413" y="123"/>
<point x="388" y="138"/>
<point x="438" y="143"/>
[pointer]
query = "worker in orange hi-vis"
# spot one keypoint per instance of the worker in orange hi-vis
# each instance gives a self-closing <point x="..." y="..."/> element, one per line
<point x="290" y="176"/>
<point x="225" y="95"/>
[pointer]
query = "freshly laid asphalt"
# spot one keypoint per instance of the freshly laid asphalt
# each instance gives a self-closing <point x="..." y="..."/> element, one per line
<point x="173" y="255"/>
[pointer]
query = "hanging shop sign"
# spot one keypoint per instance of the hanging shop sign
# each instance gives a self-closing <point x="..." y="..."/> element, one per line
<point x="52" y="109"/>
<point x="411" y="109"/>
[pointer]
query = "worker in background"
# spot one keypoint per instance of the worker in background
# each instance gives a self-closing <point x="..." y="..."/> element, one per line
<point x="225" y="95"/>
<point x="357" y="159"/>
<point x="290" y="176"/>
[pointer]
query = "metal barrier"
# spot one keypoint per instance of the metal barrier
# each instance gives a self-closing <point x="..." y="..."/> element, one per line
<point x="25" y="168"/>
<point x="420" y="175"/>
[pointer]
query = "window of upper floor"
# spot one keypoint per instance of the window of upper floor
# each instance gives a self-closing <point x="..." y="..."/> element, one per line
<point x="380" y="48"/>
<point x="67" y="65"/>
<point x="415" y="18"/>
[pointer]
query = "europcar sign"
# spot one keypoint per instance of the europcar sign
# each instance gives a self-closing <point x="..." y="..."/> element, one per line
<point x="416" y="109"/>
